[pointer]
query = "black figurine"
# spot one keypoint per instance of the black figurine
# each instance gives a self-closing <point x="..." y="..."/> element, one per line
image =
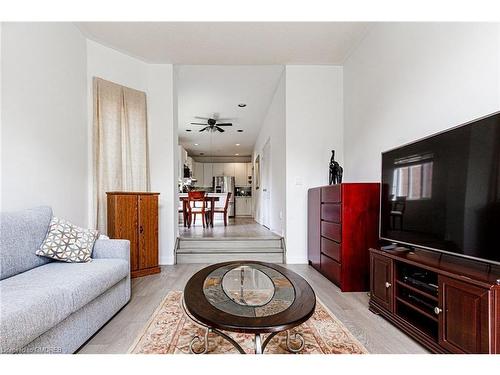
<point x="336" y="171"/>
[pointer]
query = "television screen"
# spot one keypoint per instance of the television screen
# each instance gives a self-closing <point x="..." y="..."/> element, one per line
<point x="443" y="192"/>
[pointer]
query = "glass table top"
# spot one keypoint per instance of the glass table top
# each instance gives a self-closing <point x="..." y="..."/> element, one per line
<point x="250" y="290"/>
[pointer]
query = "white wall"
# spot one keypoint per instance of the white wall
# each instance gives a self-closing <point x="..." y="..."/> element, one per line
<point x="314" y="126"/>
<point x="273" y="129"/>
<point x="407" y="81"/>
<point x="44" y="117"/>
<point x="157" y="81"/>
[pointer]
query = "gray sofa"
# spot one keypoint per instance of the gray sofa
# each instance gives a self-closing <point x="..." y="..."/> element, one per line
<point x="54" y="307"/>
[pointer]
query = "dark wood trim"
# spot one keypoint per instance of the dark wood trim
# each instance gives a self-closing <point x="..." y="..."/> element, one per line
<point x="146" y="272"/>
<point x="297" y="313"/>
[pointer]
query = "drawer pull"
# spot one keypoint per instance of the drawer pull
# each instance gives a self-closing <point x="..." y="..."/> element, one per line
<point x="388" y="284"/>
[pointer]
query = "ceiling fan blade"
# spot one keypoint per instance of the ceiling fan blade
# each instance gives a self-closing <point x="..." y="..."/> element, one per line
<point x="225" y="124"/>
<point x="205" y="128"/>
<point x="198" y="123"/>
<point x="201" y="118"/>
<point x="219" y="129"/>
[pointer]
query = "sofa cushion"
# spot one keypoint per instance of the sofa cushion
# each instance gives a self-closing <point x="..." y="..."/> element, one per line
<point x="35" y="301"/>
<point x="67" y="242"/>
<point x="21" y="234"/>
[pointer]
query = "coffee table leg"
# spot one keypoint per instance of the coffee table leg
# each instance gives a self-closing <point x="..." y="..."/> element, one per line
<point x="297" y="336"/>
<point x="258" y="344"/>
<point x="197" y="338"/>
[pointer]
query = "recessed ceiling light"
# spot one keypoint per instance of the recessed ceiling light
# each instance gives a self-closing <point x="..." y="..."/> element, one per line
<point x="242" y="105"/>
<point x="196" y="144"/>
<point x="188" y="130"/>
<point x="237" y="154"/>
<point x="237" y="144"/>
<point x="240" y="131"/>
<point x="202" y="153"/>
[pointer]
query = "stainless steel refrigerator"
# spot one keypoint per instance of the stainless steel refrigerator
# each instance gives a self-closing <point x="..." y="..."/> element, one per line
<point x="225" y="184"/>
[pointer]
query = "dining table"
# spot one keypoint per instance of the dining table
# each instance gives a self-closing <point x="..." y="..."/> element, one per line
<point x="210" y="199"/>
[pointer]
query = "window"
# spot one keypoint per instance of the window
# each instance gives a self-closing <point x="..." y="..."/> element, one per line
<point x="413" y="181"/>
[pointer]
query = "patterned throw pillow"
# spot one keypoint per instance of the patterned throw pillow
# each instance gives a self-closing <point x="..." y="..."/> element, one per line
<point x="67" y="242"/>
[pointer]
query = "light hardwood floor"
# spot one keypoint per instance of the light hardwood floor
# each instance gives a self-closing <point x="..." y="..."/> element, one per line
<point x="375" y="333"/>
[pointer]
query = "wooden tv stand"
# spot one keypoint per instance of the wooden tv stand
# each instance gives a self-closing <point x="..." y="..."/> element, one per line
<point x="456" y="309"/>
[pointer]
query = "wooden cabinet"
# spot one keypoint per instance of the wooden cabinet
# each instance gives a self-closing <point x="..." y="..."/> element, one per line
<point x="342" y="225"/>
<point x="134" y="217"/>
<point x="463" y="317"/>
<point x="381" y="280"/>
<point x="446" y="303"/>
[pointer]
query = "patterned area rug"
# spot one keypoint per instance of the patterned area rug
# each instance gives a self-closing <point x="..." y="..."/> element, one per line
<point x="169" y="331"/>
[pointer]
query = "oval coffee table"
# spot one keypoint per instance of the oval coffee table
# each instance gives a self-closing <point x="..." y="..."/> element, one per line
<point x="248" y="297"/>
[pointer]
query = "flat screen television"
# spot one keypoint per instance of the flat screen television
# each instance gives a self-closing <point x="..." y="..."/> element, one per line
<point x="442" y="193"/>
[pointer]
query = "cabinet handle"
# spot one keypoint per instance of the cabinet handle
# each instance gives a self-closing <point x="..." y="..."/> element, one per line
<point x="437" y="310"/>
<point x="141" y="229"/>
<point x="388" y="284"/>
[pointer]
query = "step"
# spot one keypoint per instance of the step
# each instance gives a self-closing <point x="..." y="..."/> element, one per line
<point x="198" y="250"/>
<point x="229" y="243"/>
<point x="211" y="258"/>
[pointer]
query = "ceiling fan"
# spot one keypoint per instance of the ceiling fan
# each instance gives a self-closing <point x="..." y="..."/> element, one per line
<point x="212" y="124"/>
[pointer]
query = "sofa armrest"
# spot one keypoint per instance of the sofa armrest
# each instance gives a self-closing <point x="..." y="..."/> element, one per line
<point x="106" y="248"/>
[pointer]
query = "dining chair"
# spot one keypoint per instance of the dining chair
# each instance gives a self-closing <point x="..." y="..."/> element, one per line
<point x="193" y="209"/>
<point x="223" y="209"/>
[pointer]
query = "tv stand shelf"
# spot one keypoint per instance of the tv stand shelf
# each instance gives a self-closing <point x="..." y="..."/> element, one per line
<point x="448" y="304"/>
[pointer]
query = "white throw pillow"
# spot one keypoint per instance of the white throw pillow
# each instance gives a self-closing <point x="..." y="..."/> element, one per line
<point x="67" y="242"/>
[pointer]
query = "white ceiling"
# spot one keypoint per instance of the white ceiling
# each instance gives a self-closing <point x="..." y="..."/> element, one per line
<point x="230" y="42"/>
<point x="207" y="89"/>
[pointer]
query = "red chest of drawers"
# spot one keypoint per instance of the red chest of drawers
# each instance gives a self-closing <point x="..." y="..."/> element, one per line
<point x="342" y="226"/>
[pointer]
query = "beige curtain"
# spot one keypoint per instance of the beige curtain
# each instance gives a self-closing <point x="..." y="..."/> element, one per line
<point x="121" y="160"/>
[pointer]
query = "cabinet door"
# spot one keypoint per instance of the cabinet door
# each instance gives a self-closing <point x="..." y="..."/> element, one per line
<point x="198" y="173"/>
<point x="148" y="231"/>
<point x="218" y="169"/>
<point x="229" y="169"/>
<point x="463" y="320"/>
<point x="207" y="175"/>
<point x="240" y="206"/>
<point x="123" y="222"/>
<point x="240" y="174"/>
<point x="381" y="280"/>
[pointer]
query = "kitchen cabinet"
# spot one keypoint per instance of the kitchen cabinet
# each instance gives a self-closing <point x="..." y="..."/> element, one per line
<point x="182" y="160"/>
<point x="207" y="175"/>
<point x="229" y="169"/>
<point x="218" y="169"/>
<point x="249" y="167"/>
<point x="240" y="174"/>
<point x="243" y="206"/>
<point x="198" y="173"/>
